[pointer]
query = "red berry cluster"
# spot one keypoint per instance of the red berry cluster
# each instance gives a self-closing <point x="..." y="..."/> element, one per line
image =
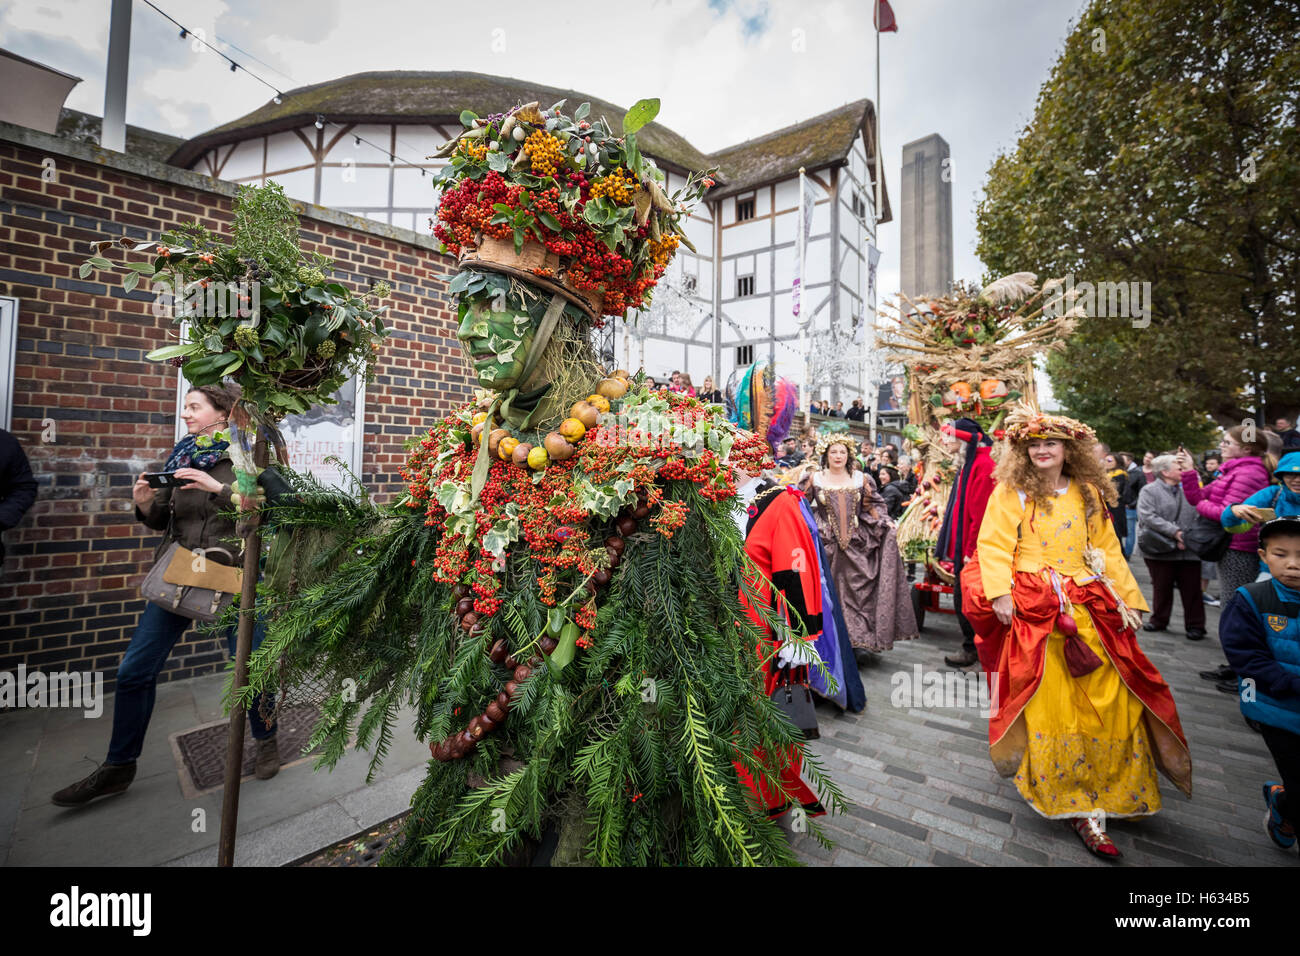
<point x="558" y="531"/>
<point x="671" y="516"/>
<point x="467" y="210"/>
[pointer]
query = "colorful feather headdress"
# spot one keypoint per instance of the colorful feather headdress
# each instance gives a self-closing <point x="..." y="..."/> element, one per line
<point x="760" y="402"/>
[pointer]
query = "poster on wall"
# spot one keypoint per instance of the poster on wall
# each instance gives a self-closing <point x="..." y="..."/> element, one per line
<point x="315" y="438"/>
<point x="8" y="358"/>
<point x="893" y="395"/>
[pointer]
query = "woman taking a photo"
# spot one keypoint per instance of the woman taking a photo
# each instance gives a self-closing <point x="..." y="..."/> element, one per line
<point x="195" y="515"/>
<point x="894" y="491"/>
<point x="1243" y="473"/>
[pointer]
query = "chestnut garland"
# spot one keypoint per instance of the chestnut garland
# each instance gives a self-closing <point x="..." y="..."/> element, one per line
<point x="465" y="742"/>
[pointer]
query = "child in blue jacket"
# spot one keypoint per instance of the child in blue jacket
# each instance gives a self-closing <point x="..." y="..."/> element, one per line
<point x="1260" y="634"/>
<point x="1283" y="498"/>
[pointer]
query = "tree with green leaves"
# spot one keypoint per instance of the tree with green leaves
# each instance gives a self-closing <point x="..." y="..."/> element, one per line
<point x="1165" y="149"/>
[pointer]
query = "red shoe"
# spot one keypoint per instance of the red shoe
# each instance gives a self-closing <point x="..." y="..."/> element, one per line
<point x="1095" y="838"/>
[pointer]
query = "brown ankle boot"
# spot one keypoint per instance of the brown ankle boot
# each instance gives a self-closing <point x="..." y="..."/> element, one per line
<point x="965" y="658"/>
<point x="268" y="759"/>
<point x="107" y="780"/>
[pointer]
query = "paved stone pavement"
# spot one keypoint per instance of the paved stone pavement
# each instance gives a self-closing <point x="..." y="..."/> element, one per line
<point x="924" y="791"/>
<point x="921" y="785"/>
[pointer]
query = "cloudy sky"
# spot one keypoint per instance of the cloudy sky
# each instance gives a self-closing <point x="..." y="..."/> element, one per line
<point x="725" y="70"/>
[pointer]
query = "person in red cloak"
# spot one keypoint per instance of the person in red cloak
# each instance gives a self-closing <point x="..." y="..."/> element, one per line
<point x="779" y="542"/>
<point x="1081" y="719"/>
<point x="962" y="518"/>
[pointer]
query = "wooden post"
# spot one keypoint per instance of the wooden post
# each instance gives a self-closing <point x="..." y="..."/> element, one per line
<point x="243" y="648"/>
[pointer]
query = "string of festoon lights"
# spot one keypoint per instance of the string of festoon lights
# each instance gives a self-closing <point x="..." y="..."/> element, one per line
<point x="321" y="123"/>
<point x="685" y="301"/>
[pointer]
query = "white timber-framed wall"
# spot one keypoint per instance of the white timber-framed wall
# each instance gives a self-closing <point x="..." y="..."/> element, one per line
<point x="835" y="288"/>
<point x="338" y="167"/>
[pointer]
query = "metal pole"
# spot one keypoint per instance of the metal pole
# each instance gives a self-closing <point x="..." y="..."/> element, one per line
<point x="247" y="610"/>
<point x="112" y="132"/>
<point x="716" y="209"/>
<point x="872" y="411"/>
<point x="868" y="349"/>
<point x="880" y="180"/>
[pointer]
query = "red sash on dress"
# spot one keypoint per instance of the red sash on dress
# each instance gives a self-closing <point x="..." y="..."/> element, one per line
<point x="1015" y="655"/>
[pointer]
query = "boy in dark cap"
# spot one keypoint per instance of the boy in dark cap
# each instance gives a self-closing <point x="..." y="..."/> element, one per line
<point x="1260" y="633"/>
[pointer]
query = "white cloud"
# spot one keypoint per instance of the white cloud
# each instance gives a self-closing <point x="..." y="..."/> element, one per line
<point x="82" y="23"/>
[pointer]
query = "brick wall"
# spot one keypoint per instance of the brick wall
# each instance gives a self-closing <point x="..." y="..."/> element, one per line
<point x="69" y="593"/>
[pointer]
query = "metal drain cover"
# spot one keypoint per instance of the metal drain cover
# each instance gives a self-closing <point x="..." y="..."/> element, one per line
<point x="201" y="753"/>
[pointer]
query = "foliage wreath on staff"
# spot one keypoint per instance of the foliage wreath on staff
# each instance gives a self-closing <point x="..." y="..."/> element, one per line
<point x="557" y="594"/>
<point x="254" y="309"/>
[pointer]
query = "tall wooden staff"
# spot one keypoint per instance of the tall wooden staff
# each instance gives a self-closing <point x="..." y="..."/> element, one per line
<point x="247" y="610"/>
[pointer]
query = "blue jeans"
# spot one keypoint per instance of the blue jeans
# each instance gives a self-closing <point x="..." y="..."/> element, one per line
<point x="137" y="680"/>
<point x="1131" y="537"/>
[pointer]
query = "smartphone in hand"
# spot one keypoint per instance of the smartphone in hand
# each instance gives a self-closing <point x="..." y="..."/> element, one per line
<point x="164" y="479"/>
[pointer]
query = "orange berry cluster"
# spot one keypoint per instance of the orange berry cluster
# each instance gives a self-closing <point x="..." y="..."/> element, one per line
<point x="474" y="149"/>
<point x="545" y="152"/>
<point x="663" y="249"/>
<point x="618" y="186"/>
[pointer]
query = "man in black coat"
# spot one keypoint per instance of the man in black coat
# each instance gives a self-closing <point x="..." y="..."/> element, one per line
<point x="17" y="485"/>
<point x="1290" y="437"/>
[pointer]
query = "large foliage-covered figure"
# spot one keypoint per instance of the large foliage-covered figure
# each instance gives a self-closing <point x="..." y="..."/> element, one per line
<point x="558" y="593"/>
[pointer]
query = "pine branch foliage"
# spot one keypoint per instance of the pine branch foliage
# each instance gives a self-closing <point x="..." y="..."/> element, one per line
<point x="628" y="751"/>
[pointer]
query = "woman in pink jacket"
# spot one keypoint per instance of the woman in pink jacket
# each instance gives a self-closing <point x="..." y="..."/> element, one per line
<point x="1243" y="473"/>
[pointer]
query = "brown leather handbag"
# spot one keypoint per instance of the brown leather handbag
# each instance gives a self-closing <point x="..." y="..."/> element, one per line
<point x="189" y="583"/>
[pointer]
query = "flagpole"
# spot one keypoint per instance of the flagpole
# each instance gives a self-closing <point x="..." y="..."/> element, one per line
<point x="869" y="338"/>
<point x="879" y="145"/>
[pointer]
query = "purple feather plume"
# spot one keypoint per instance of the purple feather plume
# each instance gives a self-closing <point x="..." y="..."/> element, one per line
<point x="785" y="403"/>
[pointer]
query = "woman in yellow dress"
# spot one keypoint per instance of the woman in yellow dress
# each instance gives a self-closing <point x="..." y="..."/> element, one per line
<point x="1083" y="719"/>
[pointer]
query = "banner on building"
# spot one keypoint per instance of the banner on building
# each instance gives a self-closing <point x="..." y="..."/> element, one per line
<point x="803" y="229"/>
<point x="873" y="258"/>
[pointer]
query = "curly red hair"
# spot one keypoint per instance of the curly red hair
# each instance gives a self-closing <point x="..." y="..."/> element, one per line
<point x="1016" y="470"/>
